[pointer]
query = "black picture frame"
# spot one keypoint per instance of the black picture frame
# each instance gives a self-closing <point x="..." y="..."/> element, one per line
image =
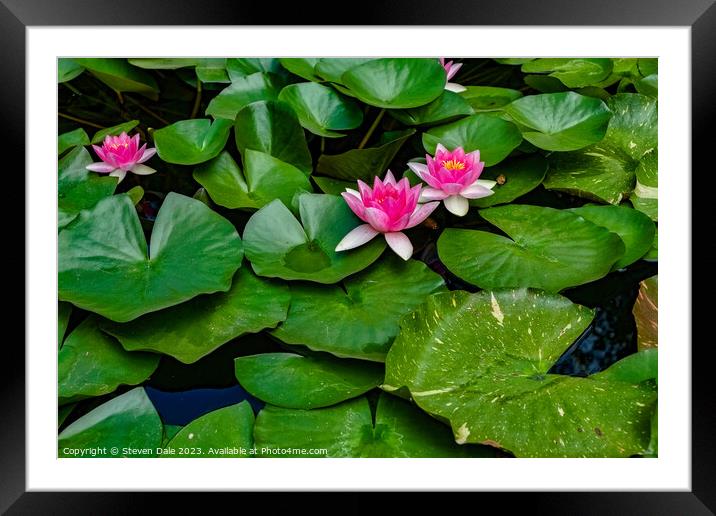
<point x="700" y="15"/>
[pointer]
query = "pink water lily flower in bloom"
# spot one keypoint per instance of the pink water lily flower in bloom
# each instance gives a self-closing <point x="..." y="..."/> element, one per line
<point x="122" y="154"/>
<point x="451" y="69"/>
<point x="388" y="208"/>
<point x="453" y="178"/>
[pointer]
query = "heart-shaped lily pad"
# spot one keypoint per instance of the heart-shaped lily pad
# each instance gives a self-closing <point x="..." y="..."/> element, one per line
<point x="91" y="363"/>
<point x="226" y="432"/>
<point x="64" y="310"/>
<point x="67" y="69"/>
<point x="267" y="178"/>
<point x="573" y="72"/>
<point x="238" y="67"/>
<point x="242" y="92"/>
<point x="272" y="127"/>
<point x="332" y="186"/>
<point x="294" y="381"/>
<point x="560" y="121"/>
<point x="194" y="329"/>
<point x="190" y="142"/>
<point x="347" y="430"/>
<point x="489" y="98"/>
<point x="547" y="249"/>
<point x="320" y="109"/>
<point x="75" y="138"/>
<point x="125" y="426"/>
<point x="78" y="188"/>
<point x="212" y="70"/>
<point x="278" y="245"/>
<point x="515" y="177"/>
<point x="480" y="361"/>
<point x="646" y="191"/>
<point x="362" y="164"/>
<point x="121" y="76"/>
<point x="493" y="137"/>
<point x="446" y="107"/>
<point x="606" y="171"/>
<point x="304" y="67"/>
<point x="364" y="311"/>
<point x="397" y="83"/>
<point x="634" y="228"/>
<point x="332" y="68"/>
<point x="104" y="266"/>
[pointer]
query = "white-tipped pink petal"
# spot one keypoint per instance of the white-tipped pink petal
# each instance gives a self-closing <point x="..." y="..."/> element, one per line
<point x="457" y="204"/>
<point x="487" y="183"/>
<point x="455" y="88"/>
<point x="352" y="192"/>
<point x="453" y="70"/>
<point x="357" y="237"/>
<point x="400" y="243"/>
<point x="389" y="178"/>
<point x="432" y="194"/>
<point x="439" y="149"/>
<point x="148" y="153"/>
<point x="142" y="170"/>
<point x="421" y="212"/>
<point x="421" y="170"/>
<point x="476" y="192"/>
<point x="119" y="174"/>
<point x="100" y="166"/>
<point x="355" y="203"/>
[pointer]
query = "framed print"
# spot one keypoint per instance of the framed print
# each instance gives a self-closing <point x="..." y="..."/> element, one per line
<point x="378" y="257"/>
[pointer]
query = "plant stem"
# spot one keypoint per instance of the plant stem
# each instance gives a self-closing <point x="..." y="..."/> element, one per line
<point x="146" y="110"/>
<point x="323" y="144"/>
<point x="197" y="100"/>
<point x="80" y="120"/>
<point x="372" y="128"/>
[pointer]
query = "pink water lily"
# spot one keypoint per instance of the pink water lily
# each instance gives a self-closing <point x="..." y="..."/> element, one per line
<point x="453" y="178"/>
<point x="387" y="208"/>
<point x="122" y="154"/>
<point x="451" y="69"/>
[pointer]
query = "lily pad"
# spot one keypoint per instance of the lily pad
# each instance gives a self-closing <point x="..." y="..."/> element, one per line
<point x="212" y="70"/>
<point x="347" y="430"/>
<point x="646" y="314"/>
<point x="446" y="107"/>
<point x="267" y="178"/>
<point x="634" y="228"/>
<point x="518" y="176"/>
<point x="480" y="361"/>
<point x="364" y="311"/>
<point x="560" y="121"/>
<point x="242" y="92"/>
<point x="645" y="196"/>
<point x="303" y="67"/>
<point x="226" y="432"/>
<point x="332" y="186"/>
<point x="194" y="329"/>
<point x="489" y="98"/>
<point x="64" y="310"/>
<point x="320" y="109"/>
<point x="397" y="83"/>
<point x="279" y="246"/>
<point x="635" y="368"/>
<point x="121" y="76"/>
<point x="115" y="130"/>
<point x="190" y="142"/>
<point x="572" y="72"/>
<point x="91" y="363"/>
<point x="125" y="426"/>
<point x="606" y="171"/>
<point x="362" y="164"/>
<point x="294" y="381"/>
<point x="493" y="137"/>
<point x="332" y="69"/>
<point x="241" y="67"/>
<point x="67" y="69"/>
<point x="75" y="138"/>
<point x="164" y="63"/>
<point x="272" y="127"/>
<point x="104" y="266"/>
<point x="77" y="188"/>
<point x="547" y="248"/>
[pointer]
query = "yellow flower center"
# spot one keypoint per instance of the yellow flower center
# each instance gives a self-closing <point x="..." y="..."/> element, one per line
<point x="115" y="146"/>
<point x="454" y="164"/>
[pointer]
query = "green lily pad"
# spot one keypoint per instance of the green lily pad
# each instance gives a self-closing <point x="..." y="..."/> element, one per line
<point x="648" y="85"/>
<point x="135" y="194"/>
<point x="545" y="83"/>
<point x="653" y="449"/>
<point x="241" y="67"/>
<point x="164" y="63"/>
<point x="481" y="361"/>
<point x="194" y="329"/>
<point x="127" y="425"/>
<point x="397" y="83"/>
<point x="560" y="121"/>
<point x="606" y="171"/>
<point x="635" y="368"/>
<point x="362" y="164"/>
<point x="347" y="430"/>
<point x="489" y="98"/>
<point x="121" y="76"/>
<point x="75" y="138"/>
<point x="573" y="72"/>
<point x="519" y="175"/>
<point x="364" y="311"/>
<point x="242" y="92"/>
<point x="115" y="130"/>
<point x="212" y="70"/>
<point x="332" y="69"/>
<point x="303" y="67"/>
<point x="279" y="246"/>
<point x="294" y="381"/>
<point x="646" y="314"/>
<point x="77" y="188"/>
<point x="273" y="128"/>
<point x="91" y="363"/>
<point x="333" y="186"/>
<point x="226" y="432"/>
<point x="64" y="310"/>
<point x="446" y="107"/>
<point x="547" y="248"/>
<point x="104" y="266"/>
<point x="63" y="412"/>
<point x="645" y="196"/>
<point x="493" y="137"/>
<point x="267" y="178"/>
<point x="67" y="69"/>
<point x="634" y="228"/>
<point x="320" y="109"/>
<point x="190" y="142"/>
